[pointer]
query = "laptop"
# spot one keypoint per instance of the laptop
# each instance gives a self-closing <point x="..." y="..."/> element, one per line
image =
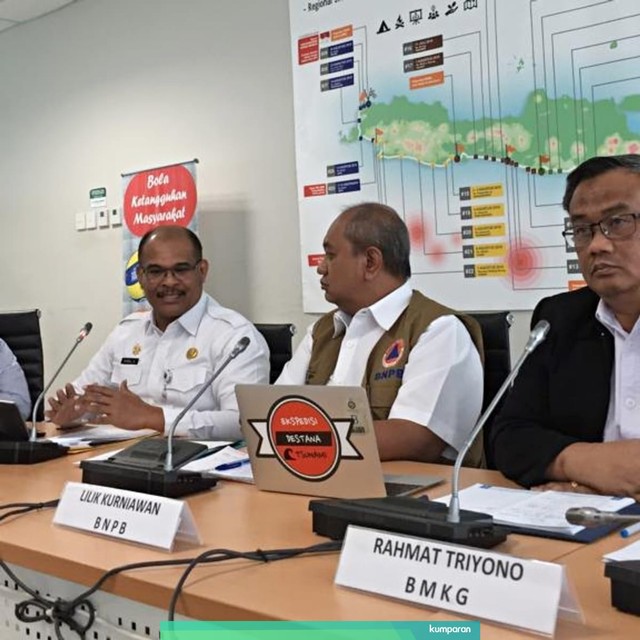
<point x="318" y="441"/>
<point x="12" y="425"/>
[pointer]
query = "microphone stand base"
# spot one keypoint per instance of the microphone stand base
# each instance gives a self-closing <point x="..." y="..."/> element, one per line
<point x="409" y="516"/>
<point x="27" y="452"/>
<point x="158" y="482"/>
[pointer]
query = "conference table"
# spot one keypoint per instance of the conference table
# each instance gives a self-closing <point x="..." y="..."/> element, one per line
<point x="239" y="517"/>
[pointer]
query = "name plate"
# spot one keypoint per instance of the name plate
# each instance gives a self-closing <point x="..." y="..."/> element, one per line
<point x="476" y="583"/>
<point x="126" y="515"/>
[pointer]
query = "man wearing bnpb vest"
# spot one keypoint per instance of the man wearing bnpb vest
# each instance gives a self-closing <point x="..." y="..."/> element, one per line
<point x="153" y="363"/>
<point x="418" y="360"/>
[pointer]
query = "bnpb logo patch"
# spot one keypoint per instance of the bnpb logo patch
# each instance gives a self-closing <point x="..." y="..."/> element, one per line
<point x="393" y="354"/>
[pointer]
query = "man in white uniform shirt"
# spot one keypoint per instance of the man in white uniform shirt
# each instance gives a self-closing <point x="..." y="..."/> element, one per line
<point x="154" y="363"/>
<point x="416" y="358"/>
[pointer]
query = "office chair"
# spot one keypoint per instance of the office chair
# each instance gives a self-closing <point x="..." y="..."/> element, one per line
<point x="21" y="331"/>
<point x="497" y="363"/>
<point x="279" y="339"/>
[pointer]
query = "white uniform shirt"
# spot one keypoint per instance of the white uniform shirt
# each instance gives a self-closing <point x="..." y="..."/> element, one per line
<point x="623" y="417"/>
<point x="167" y="369"/>
<point x="442" y="382"/>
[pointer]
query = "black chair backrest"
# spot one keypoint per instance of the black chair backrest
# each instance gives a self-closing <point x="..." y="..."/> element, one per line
<point x="497" y="362"/>
<point x="279" y="339"/>
<point x="21" y="331"/>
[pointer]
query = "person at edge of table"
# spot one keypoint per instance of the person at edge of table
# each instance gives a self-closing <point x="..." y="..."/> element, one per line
<point x="13" y="384"/>
<point x="572" y="419"/>
<point x="418" y="360"/>
<point x="154" y="362"/>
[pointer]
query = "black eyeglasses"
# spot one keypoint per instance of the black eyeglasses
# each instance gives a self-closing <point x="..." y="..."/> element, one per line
<point x="579" y="236"/>
<point x="180" y="271"/>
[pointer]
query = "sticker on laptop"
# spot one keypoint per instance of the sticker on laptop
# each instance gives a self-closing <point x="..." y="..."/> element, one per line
<point x="304" y="439"/>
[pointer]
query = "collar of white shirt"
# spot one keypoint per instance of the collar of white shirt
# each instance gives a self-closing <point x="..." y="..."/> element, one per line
<point x="189" y="320"/>
<point x="385" y="311"/>
<point x="605" y="316"/>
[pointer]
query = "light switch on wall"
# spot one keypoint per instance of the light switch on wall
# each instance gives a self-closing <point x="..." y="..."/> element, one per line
<point x="81" y="223"/>
<point x="103" y="218"/>
<point x="90" y="219"/>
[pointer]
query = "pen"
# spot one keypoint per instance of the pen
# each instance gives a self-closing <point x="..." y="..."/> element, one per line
<point x="629" y="531"/>
<point x="227" y="466"/>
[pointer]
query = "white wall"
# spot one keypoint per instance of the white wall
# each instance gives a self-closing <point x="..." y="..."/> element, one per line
<point x="108" y="86"/>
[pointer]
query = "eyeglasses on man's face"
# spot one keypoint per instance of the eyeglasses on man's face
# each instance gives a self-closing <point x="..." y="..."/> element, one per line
<point x="616" y="227"/>
<point x="181" y="271"/>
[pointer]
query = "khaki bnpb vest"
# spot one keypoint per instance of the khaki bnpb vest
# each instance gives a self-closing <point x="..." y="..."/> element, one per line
<point x="382" y="382"/>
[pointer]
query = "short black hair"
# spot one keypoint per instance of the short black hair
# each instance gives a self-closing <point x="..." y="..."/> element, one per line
<point x="371" y="224"/>
<point x="597" y="166"/>
<point x="175" y="231"/>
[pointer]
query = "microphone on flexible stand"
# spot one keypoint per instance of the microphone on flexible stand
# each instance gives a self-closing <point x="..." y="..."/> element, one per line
<point x="536" y="337"/>
<point x="84" y="332"/>
<point x="592" y="517"/>
<point x="31" y="451"/>
<point x="426" y="519"/>
<point x="152" y="466"/>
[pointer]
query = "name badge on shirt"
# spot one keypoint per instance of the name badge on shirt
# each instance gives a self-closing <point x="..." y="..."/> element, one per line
<point x="129" y="360"/>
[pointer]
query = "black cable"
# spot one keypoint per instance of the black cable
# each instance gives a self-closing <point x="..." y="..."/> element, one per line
<point x="59" y="611"/>
<point x="55" y="612"/>
<point x="25" y="507"/>
<point x="259" y="555"/>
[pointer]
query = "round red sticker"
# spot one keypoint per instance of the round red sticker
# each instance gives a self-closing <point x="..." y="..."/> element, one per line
<point x="159" y="197"/>
<point x="304" y="438"/>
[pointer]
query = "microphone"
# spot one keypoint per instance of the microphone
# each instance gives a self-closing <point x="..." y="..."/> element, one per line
<point x="31" y="451"/>
<point x="423" y="518"/>
<point x="148" y="466"/>
<point x="592" y="517"/>
<point x="536" y="337"/>
<point x="84" y="332"/>
<point x="241" y="346"/>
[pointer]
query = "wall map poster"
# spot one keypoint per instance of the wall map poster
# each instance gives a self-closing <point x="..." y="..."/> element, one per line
<point x="466" y="117"/>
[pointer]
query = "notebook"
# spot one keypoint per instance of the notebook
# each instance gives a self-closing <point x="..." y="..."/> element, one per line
<point x="318" y="441"/>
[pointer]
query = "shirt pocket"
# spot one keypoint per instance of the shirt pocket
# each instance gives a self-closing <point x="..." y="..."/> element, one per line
<point x="186" y="378"/>
<point x="130" y="373"/>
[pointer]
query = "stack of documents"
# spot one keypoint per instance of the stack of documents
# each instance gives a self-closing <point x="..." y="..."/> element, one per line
<point x="630" y="552"/>
<point x="536" y="510"/>
<point x="227" y="463"/>
<point x="91" y="436"/>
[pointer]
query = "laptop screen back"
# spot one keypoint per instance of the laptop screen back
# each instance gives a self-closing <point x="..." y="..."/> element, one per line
<point x="313" y="440"/>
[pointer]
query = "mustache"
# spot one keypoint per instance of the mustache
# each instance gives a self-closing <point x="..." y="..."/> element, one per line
<point x="169" y="291"/>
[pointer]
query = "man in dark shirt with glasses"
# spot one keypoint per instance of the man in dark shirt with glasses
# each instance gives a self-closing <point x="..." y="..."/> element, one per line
<point x="572" y="420"/>
<point x="155" y="362"/>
